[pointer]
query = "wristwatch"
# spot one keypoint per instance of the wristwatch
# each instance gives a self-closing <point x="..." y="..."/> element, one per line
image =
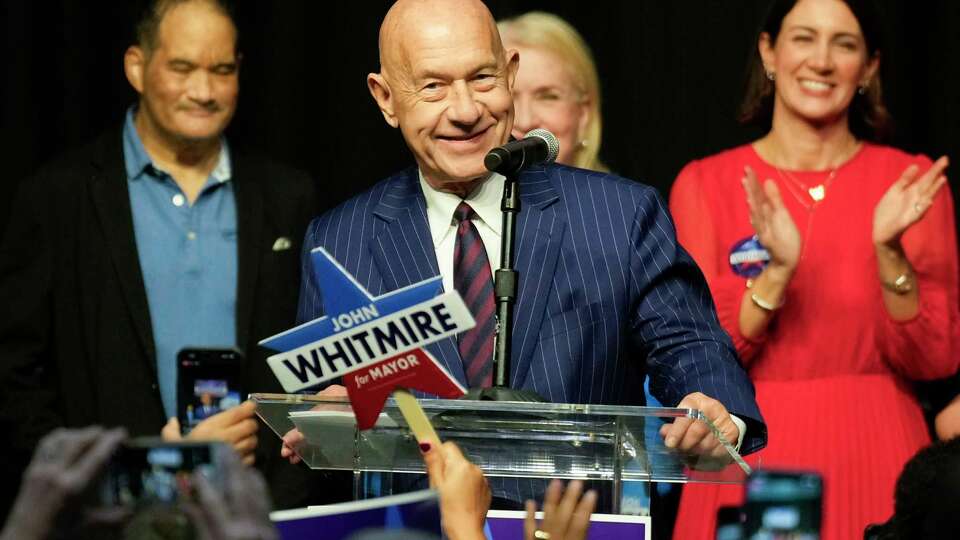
<point x="901" y="285"/>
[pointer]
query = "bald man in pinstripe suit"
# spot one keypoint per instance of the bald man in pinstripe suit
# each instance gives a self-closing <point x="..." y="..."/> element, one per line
<point x="606" y="295"/>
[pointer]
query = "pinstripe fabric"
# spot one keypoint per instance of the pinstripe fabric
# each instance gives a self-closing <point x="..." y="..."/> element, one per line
<point x="605" y="295"/>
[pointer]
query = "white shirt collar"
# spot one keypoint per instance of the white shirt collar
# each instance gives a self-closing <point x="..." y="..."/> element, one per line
<point x="485" y="201"/>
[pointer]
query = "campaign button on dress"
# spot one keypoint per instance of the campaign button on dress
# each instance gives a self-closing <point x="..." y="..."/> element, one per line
<point x="748" y="257"/>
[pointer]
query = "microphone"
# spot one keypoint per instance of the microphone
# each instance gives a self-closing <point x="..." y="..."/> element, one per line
<point x="537" y="146"/>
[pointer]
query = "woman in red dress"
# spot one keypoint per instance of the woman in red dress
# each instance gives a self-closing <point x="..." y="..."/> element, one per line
<point x="836" y="276"/>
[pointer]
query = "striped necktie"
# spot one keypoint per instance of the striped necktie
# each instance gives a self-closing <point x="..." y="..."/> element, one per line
<point x="473" y="280"/>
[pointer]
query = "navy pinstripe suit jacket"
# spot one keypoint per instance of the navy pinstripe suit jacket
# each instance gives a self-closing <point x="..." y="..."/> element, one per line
<point x="605" y="295"/>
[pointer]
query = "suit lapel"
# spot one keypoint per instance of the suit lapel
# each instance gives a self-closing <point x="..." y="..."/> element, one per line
<point x="404" y="254"/>
<point x="250" y="215"/>
<point x="540" y="232"/>
<point x="111" y="199"/>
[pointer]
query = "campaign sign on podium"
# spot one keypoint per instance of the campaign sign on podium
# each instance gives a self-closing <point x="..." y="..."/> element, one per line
<point x="373" y="343"/>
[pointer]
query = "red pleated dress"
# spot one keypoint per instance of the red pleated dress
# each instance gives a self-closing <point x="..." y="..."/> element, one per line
<point x="831" y="372"/>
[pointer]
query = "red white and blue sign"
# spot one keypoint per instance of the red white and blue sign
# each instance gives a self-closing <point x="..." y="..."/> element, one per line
<point x="748" y="257"/>
<point x="374" y="343"/>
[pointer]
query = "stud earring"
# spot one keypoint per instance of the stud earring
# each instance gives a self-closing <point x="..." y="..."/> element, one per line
<point x="863" y="88"/>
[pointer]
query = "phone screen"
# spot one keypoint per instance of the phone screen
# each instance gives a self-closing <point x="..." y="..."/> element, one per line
<point x="729" y="523"/>
<point x="783" y="505"/>
<point x="151" y="472"/>
<point x="208" y="382"/>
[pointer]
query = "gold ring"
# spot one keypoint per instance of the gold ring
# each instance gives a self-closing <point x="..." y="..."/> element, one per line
<point x="541" y="535"/>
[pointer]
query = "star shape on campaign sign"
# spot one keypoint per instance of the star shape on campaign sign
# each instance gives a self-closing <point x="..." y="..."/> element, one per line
<point x="374" y="343"/>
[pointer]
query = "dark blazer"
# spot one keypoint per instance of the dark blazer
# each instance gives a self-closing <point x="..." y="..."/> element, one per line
<point x="606" y="294"/>
<point x="76" y="346"/>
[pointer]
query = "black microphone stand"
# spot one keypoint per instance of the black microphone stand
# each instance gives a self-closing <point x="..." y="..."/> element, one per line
<point x="505" y="292"/>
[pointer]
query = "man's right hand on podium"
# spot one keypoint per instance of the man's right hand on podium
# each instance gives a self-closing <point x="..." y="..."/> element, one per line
<point x="293" y="438"/>
<point x="694" y="439"/>
<point x="235" y="426"/>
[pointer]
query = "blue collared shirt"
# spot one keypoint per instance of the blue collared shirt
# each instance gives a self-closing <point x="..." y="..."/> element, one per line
<point x="188" y="256"/>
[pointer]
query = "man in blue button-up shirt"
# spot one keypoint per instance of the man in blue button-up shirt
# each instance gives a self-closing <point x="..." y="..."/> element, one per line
<point x="156" y="237"/>
<point x="184" y="212"/>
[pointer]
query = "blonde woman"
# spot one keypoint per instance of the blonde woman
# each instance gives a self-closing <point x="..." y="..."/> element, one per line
<point x="557" y="87"/>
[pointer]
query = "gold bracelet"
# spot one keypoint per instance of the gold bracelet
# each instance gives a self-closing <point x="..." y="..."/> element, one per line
<point x="760" y="302"/>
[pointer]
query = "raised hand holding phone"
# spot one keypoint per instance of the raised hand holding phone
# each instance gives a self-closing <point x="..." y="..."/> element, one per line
<point x="209" y="403"/>
<point x="208" y="382"/>
<point x="63" y="467"/>
<point x="235" y="426"/>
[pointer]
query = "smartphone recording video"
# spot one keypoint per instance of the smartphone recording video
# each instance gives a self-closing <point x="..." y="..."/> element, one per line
<point x="729" y="523"/>
<point x="150" y="472"/>
<point x="783" y="505"/>
<point x="208" y="382"/>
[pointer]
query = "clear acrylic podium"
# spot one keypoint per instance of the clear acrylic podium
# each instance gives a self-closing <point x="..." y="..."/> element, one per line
<point x="616" y="444"/>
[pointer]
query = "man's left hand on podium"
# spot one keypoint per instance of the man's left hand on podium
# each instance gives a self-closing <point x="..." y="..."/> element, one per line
<point x="293" y="439"/>
<point x="693" y="437"/>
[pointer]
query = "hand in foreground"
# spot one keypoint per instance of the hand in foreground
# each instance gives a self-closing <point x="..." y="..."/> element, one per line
<point x="64" y="465"/>
<point x="693" y="437"/>
<point x="947" y="421"/>
<point x="241" y="512"/>
<point x="566" y="515"/>
<point x="906" y="201"/>
<point x="293" y="439"/>
<point x="235" y="426"/>
<point x="464" y="493"/>
<point x="772" y="222"/>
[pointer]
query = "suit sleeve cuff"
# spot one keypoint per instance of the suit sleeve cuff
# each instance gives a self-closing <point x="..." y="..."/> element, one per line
<point x="742" y="428"/>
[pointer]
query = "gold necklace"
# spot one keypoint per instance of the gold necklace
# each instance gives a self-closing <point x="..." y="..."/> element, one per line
<point x="817" y="193"/>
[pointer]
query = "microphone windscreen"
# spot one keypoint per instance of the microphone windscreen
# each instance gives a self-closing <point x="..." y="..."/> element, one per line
<point x="553" y="144"/>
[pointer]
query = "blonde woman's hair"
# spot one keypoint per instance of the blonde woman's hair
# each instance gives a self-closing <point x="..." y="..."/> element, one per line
<point x="537" y="29"/>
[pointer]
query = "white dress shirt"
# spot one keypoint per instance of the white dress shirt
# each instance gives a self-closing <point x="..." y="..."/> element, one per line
<point x="485" y="201"/>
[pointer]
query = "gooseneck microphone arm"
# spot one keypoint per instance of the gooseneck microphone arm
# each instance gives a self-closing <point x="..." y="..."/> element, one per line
<point x="536" y="147"/>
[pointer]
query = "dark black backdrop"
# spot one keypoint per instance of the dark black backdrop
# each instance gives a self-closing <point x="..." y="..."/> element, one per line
<point x="671" y="72"/>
